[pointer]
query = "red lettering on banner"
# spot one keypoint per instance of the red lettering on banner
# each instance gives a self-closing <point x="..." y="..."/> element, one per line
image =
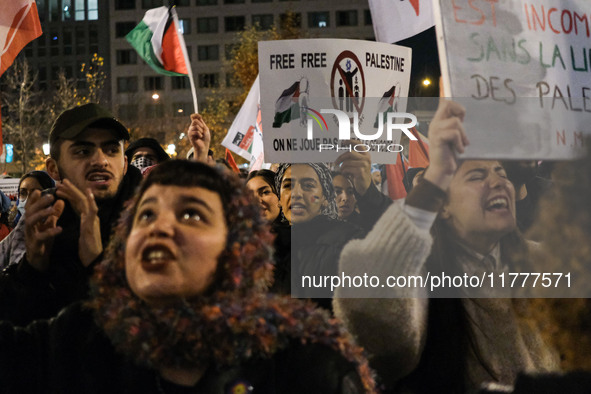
<point x="479" y="16"/>
<point x="570" y="21"/>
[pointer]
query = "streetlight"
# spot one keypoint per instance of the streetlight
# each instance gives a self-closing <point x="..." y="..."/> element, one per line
<point x="426" y="82"/>
<point x="171" y="150"/>
<point x="155" y="96"/>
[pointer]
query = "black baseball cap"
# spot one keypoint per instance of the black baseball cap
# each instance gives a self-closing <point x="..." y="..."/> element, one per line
<point x="74" y="121"/>
<point x="151" y="143"/>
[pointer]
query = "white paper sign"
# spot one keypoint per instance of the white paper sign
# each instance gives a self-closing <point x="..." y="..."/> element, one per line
<point x="523" y="70"/>
<point x="360" y="81"/>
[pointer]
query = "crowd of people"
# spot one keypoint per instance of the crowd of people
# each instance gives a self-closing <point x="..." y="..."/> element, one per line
<point x="128" y="271"/>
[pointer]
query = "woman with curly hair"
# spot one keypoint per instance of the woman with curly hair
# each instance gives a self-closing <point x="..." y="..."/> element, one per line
<point x="180" y="304"/>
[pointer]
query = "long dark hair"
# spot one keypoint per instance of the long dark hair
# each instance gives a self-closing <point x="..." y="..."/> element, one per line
<point x="442" y="367"/>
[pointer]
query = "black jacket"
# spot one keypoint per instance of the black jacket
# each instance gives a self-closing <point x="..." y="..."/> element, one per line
<point x="371" y="207"/>
<point x="316" y="246"/>
<point x="27" y="294"/>
<point x="70" y="354"/>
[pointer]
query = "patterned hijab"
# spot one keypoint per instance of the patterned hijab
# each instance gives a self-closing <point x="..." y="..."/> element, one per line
<point x="325" y="178"/>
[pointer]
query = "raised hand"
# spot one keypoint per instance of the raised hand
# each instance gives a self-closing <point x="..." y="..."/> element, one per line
<point x="357" y="167"/>
<point x="446" y="137"/>
<point x="200" y="137"/>
<point x="90" y="244"/>
<point x="41" y="228"/>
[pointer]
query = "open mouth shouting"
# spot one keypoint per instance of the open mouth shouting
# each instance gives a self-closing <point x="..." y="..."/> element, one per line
<point x="156" y="257"/>
<point x="497" y="204"/>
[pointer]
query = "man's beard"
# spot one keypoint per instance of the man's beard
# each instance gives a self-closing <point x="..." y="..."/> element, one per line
<point x="98" y="199"/>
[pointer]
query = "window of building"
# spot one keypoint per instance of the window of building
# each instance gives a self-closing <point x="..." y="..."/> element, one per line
<point x="208" y="52"/>
<point x="80" y="35"/>
<point x="126" y="84"/>
<point x="93" y="10"/>
<point x="207" y="25"/>
<point x="54" y="10"/>
<point x="125" y="4"/>
<point x="67" y="41"/>
<point x="42" y="77"/>
<point x="234" y="23"/>
<point x="367" y="18"/>
<point x="151" y="4"/>
<point x="68" y="72"/>
<point x="346" y="18"/>
<point x="93" y="39"/>
<point x="228" y="50"/>
<point x="263" y="21"/>
<point x="40" y="45"/>
<point x="122" y="28"/>
<point x="66" y="10"/>
<point x="80" y="10"/>
<point x="291" y="19"/>
<point x="153" y="83"/>
<point x="128" y="111"/>
<point x="154" y="111"/>
<point x="182" y="108"/>
<point x="209" y="80"/>
<point x="55" y="72"/>
<point x="54" y="43"/>
<point x="126" y="56"/>
<point x="207" y="2"/>
<point x="81" y="78"/>
<point x="318" y="19"/>
<point x="180" y="83"/>
<point x="29" y="50"/>
<point x="41" y="10"/>
<point x="185" y="26"/>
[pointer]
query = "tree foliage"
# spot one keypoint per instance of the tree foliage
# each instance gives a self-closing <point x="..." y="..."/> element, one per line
<point x="244" y="56"/>
<point x="25" y="121"/>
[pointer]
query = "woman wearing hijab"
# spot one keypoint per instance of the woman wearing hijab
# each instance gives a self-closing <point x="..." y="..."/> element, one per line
<point x="307" y="198"/>
<point x="180" y="304"/>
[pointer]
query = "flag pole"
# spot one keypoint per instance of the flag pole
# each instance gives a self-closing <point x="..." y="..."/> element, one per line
<point x="177" y="25"/>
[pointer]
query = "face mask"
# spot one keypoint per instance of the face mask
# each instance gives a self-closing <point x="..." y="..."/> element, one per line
<point x="21" y="206"/>
<point x="142" y="162"/>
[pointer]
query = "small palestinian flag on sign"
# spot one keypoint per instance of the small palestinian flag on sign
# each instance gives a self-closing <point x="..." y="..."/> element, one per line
<point x="156" y="40"/>
<point x="386" y="104"/>
<point x="287" y="106"/>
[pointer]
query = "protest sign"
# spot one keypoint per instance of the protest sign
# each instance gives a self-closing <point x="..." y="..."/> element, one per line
<point x="315" y="92"/>
<point x="523" y="70"/>
<point x="9" y="186"/>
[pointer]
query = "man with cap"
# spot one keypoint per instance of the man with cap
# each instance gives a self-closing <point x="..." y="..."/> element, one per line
<point x="66" y="231"/>
<point x="144" y="153"/>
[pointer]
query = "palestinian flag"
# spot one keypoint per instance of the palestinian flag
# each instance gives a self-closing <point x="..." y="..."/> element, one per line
<point x="156" y="40"/>
<point x="386" y="105"/>
<point x="19" y="25"/>
<point x="286" y="106"/>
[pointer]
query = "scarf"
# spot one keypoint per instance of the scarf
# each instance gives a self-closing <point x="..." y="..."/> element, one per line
<point x="235" y="320"/>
